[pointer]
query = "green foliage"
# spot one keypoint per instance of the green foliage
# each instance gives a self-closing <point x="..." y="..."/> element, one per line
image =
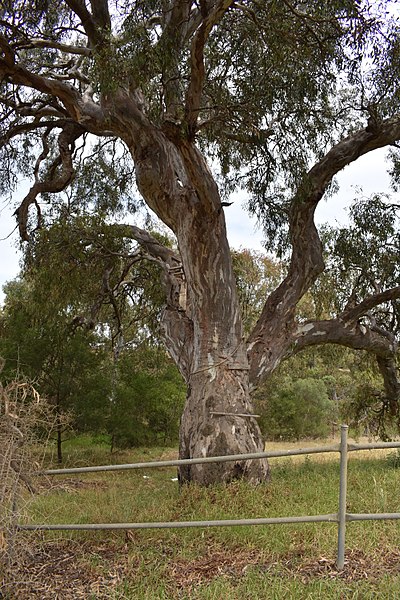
<point x="297" y="409"/>
<point x="362" y="259"/>
<point x="95" y="269"/>
<point x="105" y="185"/>
<point x="313" y="75"/>
<point x="366" y="410"/>
<point x="256" y="276"/>
<point x="37" y="342"/>
<point x="148" y="399"/>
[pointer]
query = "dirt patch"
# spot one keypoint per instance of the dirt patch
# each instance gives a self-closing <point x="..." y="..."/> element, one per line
<point x="234" y="563"/>
<point x="49" y="484"/>
<point x="357" y="566"/>
<point x="218" y="562"/>
<point x="69" y="570"/>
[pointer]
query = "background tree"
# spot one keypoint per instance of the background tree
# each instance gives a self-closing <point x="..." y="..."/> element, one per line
<point x="76" y="339"/>
<point x="279" y="95"/>
<point x="362" y="262"/>
<point x="257" y="275"/>
<point x="37" y="343"/>
<point x="151" y="391"/>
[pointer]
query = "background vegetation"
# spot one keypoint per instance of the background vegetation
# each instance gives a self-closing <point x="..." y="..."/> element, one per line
<point x="95" y="351"/>
<point x="263" y="562"/>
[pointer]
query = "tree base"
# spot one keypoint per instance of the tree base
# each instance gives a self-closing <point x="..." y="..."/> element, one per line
<point x="218" y="421"/>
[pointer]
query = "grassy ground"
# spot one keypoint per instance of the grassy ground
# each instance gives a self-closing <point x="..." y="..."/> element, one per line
<point x="262" y="562"/>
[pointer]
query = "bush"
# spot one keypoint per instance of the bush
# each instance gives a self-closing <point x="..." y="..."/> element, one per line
<point x="148" y="401"/>
<point x="298" y="409"/>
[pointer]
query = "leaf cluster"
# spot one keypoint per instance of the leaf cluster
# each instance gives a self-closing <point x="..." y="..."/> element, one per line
<point x="362" y="259"/>
<point x="283" y="80"/>
<point x="99" y="273"/>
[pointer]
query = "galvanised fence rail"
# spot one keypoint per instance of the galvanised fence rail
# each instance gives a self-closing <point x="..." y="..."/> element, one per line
<point x="341" y="517"/>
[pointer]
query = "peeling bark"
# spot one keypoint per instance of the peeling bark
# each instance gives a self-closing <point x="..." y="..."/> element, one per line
<point x="201" y="322"/>
<point x="204" y="432"/>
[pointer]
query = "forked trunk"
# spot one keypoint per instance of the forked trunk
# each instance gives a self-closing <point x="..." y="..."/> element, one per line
<point x="202" y="323"/>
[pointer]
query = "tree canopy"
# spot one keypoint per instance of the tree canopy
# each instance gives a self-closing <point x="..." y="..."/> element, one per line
<point x="192" y="99"/>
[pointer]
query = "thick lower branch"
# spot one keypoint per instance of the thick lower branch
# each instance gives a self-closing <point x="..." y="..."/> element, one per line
<point x="336" y="331"/>
<point x="176" y="326"/>
<point x="177" y="330"/>
<point x="357" y="337"/>
<point x="275" y="329"/>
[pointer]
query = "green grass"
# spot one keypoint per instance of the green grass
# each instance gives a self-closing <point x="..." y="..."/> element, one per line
<point x="276" y="561"/>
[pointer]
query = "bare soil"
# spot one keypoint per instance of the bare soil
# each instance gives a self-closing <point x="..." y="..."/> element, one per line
<point x="69" y="570"/>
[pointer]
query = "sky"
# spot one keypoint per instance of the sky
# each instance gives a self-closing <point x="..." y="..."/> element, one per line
<point x="368" y="173"/>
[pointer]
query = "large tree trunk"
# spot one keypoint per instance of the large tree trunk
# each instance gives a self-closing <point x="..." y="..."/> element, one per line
<point x="202" y="323"/>
<point x="218" y="420"/>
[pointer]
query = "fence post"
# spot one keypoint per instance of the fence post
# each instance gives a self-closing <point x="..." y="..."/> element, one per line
<point x="342" y="497"/>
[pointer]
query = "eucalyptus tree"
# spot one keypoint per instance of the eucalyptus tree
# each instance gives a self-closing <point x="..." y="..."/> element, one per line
<point x="191" y="99"/>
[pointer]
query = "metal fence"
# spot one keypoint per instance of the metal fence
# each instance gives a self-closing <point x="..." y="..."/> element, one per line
<point x="341" y="517"/>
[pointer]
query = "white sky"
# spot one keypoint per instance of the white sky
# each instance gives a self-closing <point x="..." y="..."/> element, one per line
<point x="369" y="173"/>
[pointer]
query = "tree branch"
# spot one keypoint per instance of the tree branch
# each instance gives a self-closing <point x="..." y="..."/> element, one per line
<point x="277" y="320"/>
<point x="57" y="181"/>
<point x="31" y="126"/>
<point x="351" y="315"/>
<point x="89" y="24"/>
<point x="344" y="153"/>
<point x="358" y="337"/>
<point x="337" y="331"/>
<point x="8" y="52"/>
<point x="101" y="14"/>
<point x="43" y="43"/>
<point x="195" y="89"/>
<point x="175" y="22"/>
<point x="176" y="326"/>
<point x="19" y="75"/>
<point x="153" y="247"/>
<point x="81" y="109"/>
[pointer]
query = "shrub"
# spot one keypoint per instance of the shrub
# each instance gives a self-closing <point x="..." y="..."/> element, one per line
<point x="298" y="409"/>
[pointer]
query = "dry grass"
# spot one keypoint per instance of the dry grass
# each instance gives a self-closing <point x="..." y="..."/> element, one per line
<point x="172" y="454"/>
<point x="241" y="563"/>
<point x="326" y="456"/>
<point x="22" y="413"/>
